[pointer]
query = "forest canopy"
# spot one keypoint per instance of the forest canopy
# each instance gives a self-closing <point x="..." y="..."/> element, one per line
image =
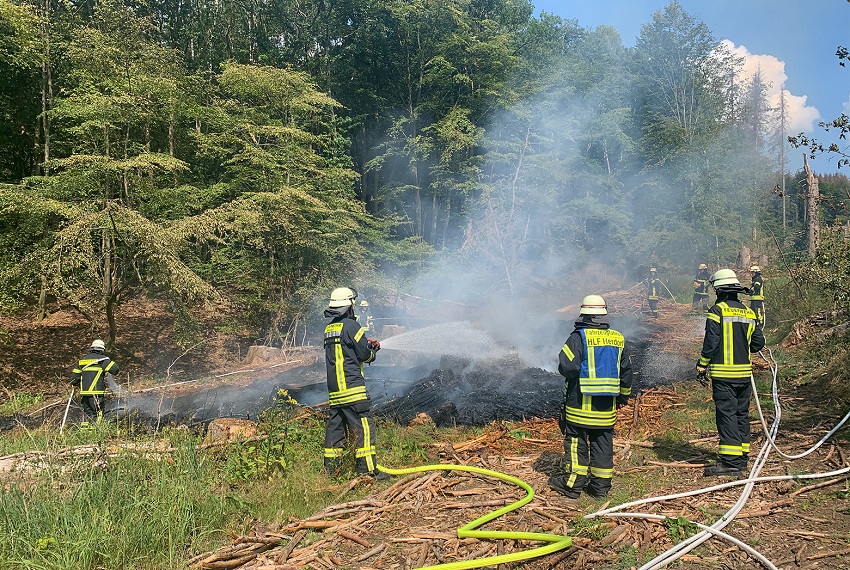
<point x="250" y="154"/>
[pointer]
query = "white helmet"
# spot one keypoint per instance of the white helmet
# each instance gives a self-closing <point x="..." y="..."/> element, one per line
<point x="98" y="345"/>
<point x="755" y="269"/>
<point x="364" y="303"/>
<point x="342" y="297"/>
<point x="724" y="278"/>
<point x="593" y="305"/>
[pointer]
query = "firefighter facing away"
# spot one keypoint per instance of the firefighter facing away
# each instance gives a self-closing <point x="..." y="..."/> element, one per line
<point x="90" y="375"/>
<point x="653" y="290"/>
<point x="346" y="349"/>
<point x="731" y="334"/>
<point x="701" y="280"/>
<point x="596" y="365"/>
<point x="757" y="295"/>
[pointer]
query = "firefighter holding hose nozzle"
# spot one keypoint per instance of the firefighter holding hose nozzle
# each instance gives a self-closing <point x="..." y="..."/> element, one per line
<point x="731" y="334"/>
<point x="346" y="349"/>
<point x="90" y="375"/>
<point x="596" y="365"/>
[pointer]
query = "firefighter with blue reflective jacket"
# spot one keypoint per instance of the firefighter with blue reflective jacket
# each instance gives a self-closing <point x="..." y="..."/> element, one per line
<point x="757" y="295"/>
<point x="596" y="365"/>
<point x="346" y="349"/>
<point x="731" y="334"/>
<point x="90" y="375"/>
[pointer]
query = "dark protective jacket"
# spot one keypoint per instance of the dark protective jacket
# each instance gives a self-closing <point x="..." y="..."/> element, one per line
<point x="758" y="284"/>
<point x="346" y="350"/>
<point x="653" y="288"/>
<point x="596" y="364"/>
<point x="701" y="282"/>
<point x="90" y="373"/>
<point x="731" y="335"/>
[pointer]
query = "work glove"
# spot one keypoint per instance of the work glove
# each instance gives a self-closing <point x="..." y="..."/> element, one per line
<point x="562" y="418"/>
<point x="373" y="345"/>
<point x="702" y="374"/>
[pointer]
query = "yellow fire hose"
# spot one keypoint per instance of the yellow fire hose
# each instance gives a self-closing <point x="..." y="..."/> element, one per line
<point x="556" y="542"/>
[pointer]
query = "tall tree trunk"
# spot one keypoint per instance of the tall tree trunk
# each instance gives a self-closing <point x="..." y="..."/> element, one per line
<point x="812" y="198"/>
<point x="42" y="298"/>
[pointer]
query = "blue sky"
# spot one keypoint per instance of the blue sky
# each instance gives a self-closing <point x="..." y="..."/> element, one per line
<point x="790" y="36"/>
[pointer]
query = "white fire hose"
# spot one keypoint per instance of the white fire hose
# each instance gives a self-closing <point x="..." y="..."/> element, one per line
<point x="715" y="529"/>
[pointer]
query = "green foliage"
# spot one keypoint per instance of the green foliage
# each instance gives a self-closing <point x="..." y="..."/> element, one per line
<point x="680" y="528"/>
<point x="21" y="401"/>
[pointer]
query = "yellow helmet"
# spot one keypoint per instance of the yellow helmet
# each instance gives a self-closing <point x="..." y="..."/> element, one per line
<point x="342" y="297"/>
<point x="593" y="305"/>
<point x="755" y="269"/>
<point x="724" y="278"/>
<point x="703" y="266"/>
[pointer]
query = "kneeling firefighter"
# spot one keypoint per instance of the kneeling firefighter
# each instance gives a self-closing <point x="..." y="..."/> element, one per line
<point x="346" y="349"/>
<point x="596" y="365"/>
<point x="731" y="334"/>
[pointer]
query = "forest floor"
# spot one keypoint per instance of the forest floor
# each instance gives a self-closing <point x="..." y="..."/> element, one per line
<point x="663" y="438"/>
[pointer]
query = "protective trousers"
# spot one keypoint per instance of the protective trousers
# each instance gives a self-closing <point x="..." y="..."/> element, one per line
<point x="700" y="299"/>
<point x="93" y="405"/>
<point x="589" y="458"/>
<point x="758" y="309"/>
<point x="355" y="419"/>
<point x="653" y="307"/>
<point x="732" y="415"/>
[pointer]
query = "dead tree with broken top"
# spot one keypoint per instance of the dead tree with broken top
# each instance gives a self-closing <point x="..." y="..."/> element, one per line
<point x="812" y="218"/>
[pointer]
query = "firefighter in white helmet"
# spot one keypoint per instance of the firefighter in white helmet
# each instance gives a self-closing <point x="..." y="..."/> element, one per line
<point x="731" y="335"/>
<point x="596" y="365"/>
<point x="346" y="349"/>
<point x="701" y="288"/>
<point x="90" y="375"/>
<point x="757" y="295"/>
<point x="364" y="316"/>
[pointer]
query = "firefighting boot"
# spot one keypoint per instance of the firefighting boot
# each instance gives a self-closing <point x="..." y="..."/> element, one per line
<point x="558" y="484"/>
<point x="378" y="475"/>
<point x="721" y="470"/>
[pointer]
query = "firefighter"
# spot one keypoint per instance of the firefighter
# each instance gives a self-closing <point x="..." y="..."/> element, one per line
<point x="757" y="295"/>
<point x="700" y="301"/>
<point x="653" y="288"/>
<point x="731" y="335"/>
<point x="364" y="317"/>
<point x="90" y="375"/>
<point x="597" y="367"/>
<point x="346" y="349"/>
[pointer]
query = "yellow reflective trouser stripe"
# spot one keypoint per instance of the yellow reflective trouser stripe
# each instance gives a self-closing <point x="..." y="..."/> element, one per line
<point x="591" y="418"/>
<point x="745" y="447"/>
<point x="359" y="334"/>
<point x="333" y="452"/>
<point x="566" y="350"/>
<point x="347" y="396"/>
<point x="730" y="450"/>
<point x="367" y="451"/>
<point x="575" y="468"/>
<point x="601" y="473"/>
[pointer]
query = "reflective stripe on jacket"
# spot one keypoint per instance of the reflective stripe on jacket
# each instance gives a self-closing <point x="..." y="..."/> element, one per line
<point x="757" y="286"/>
<point x="652" y="289"/>
<point x="594" y="411"/>
<point x="730" y="336"/>
<point x="90" y="373"/>
<point x="346" y="350"/>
